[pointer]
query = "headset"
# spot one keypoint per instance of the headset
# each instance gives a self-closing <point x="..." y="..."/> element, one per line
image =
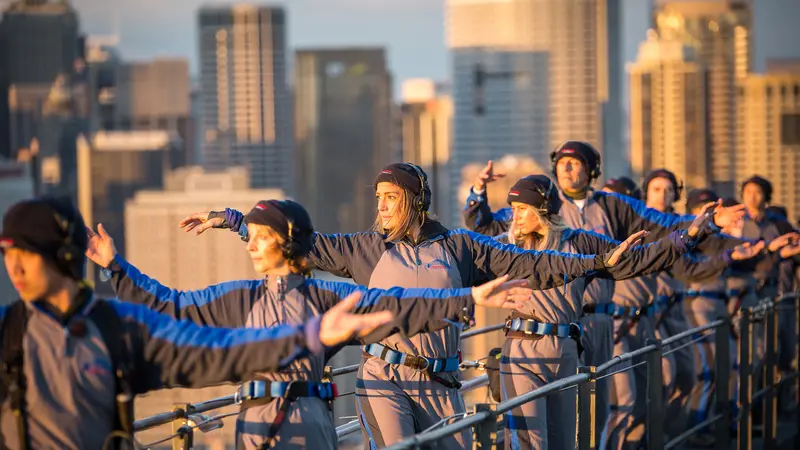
<point x="67" y="251"/>
<point x="545" y="194"/>
<point x="288" y="245"/>
<point x="594" y="172"/>
<point x="419" y="200"/>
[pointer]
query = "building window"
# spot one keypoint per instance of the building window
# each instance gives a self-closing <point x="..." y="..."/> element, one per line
<point x="790" y="129"/>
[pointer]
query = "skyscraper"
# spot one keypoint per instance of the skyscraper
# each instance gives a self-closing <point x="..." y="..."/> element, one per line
<point x="245" y="101"/>
<point x="720" y="33"/>
<point x="667" y="112"/>
<point x="112" y="167"/>
<point x="16" y="184"/>
<point x="768" y="133"/>
<point x="342" y="131"/>
<point x="525" y="77"/>
<point x="425" y="134"/>
<point x="39" y="40"/>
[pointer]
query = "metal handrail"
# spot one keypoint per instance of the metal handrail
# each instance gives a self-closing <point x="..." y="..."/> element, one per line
<point x="570" y="382"/>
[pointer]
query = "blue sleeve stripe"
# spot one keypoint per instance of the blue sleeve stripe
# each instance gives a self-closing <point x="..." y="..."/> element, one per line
<point x="510" y="248"/>
<point x="503" y="215"/>
<point x="598" y="236"/>
<point x="185" y="298"/>
<point x="3" y="311"/>
<point x="372" y="296"/>
<point x="665" y="220"/>
<point x="184" y="333"/>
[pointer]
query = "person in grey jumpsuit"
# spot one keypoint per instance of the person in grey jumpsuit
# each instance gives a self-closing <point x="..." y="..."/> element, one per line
<point x="575" y="165"/>
<point x="68" y="394"/>
<point x="281" y="239"/>
<point x="532" y="358"/>
<point x="406" y="385"/>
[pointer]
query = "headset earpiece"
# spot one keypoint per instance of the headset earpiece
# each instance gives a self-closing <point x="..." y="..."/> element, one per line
<point x="419" y="200"/>
<point x="67" y="252"/>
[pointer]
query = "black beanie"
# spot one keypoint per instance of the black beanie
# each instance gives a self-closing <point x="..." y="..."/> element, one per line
<point x="407" y="176"/>
<point x="727" y="202"/>
<point x="624" y="186"/>
<point x="699" y="197"/>
<point x="51" y="227"/>
<point x="538" y="191"/>
<point x="277" y="214"/>
<point x="583" y="151"/>
<point x="763" y="183"/>
<point x="662" y="173"/>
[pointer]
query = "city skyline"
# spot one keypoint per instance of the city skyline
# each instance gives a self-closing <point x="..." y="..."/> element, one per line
<point x="348" y="23"/>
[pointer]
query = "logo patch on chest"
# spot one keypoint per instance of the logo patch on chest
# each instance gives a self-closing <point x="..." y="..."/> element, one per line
<point x="437" y="264"/>
<point x="99" y="368"/>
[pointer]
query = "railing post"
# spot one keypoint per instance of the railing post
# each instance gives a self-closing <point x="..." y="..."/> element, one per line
<point x="484" y="435"/>
<point x="745" y="425"/>
<point x="184" y="439"/>
<point x="722" y="368"/>
<point x="587" y="409"/>
<point x="655" y="397"/>
<point x="770" y="372"/>
<point x="796" y="304"/>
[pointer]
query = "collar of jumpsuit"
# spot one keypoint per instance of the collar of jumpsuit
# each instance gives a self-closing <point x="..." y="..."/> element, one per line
<point x="282" y="284"/>
<point x="431" y="230"/>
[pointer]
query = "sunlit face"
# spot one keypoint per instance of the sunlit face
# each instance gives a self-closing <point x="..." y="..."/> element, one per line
<point x="265" y="248"/>
<point x="660" y="194"/>
<point x="389" y="197"/>
<point x="753" y="197"/>
<point x="526" y="220"/>
<point x="572" y="175"/>
<point x="31" y="276"/>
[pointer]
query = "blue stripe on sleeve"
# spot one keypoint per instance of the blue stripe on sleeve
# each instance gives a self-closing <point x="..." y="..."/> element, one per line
<point x="372" y="296"/>
<point x="184" y="333"/>
<point x="184" y="298"/>
<point x="510" y="248"/>
<point x="665" y="220"/>
<point x="597" y="235"/>
<point x="503" y="215"/>
<point x="3" y="311"/>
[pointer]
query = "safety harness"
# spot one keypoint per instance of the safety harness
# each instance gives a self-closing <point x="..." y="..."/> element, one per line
<point x="431" y="366"/>
<point x="14" y="381"/>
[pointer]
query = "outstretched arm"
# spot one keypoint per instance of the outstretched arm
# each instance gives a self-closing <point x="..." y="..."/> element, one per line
<point x="478" y="215"/>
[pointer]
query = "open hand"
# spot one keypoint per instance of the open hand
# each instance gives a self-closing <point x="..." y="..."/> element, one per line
<point x="783" y="240"/>
<point x="791" y="250"/>
<point x="728" y="217"/>
<point x="101" y="249"/>
<point x="486" y="176"/>
<point x="703" y="218"/>
<point x="500" y="293"/>
<point x="632" y="241"/>
<point x="747" y="250"/>
<point x="339" y="325"/>
<point x="199" y="222"/>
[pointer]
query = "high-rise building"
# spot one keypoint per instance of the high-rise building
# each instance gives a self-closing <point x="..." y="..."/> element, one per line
<point x="141" y="96"/>
<point x="39" y="40"/>
<point x="342" y="131"/>
<point x="112" y="167"/>
<point x="768" y="133"/>
<point x="720" y="33"/>
<point x="668" y="123"/>
<point x="16" y="184"/>
<point x="246" y="102"/>
<point x="425" y="135"/>
<point x="171" y="255"/>
<point x="526" y="76"/>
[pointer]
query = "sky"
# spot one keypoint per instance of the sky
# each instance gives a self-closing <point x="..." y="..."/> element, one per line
<point x="411" y="30"/>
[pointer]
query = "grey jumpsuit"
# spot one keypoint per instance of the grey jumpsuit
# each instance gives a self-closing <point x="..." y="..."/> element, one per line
<point x="289" y="300"/>
<point x="528" y="364"/>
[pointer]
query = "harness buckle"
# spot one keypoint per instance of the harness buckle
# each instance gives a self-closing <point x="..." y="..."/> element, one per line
<point x="420" y="363"/>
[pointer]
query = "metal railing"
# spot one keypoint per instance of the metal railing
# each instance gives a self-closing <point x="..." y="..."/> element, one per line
<point x="188" y="417"/>
<point x="484" y="419"/>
